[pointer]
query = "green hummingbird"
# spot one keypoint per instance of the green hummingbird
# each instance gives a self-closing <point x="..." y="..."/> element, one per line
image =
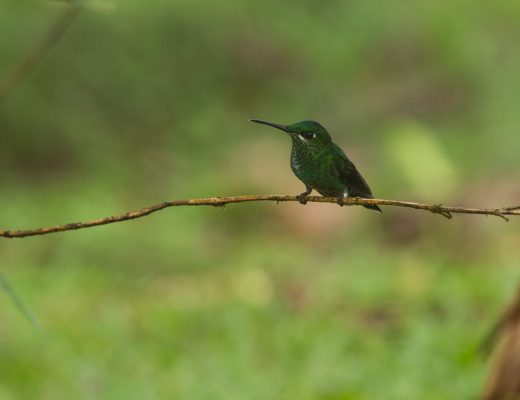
<point x="321" y="164"/>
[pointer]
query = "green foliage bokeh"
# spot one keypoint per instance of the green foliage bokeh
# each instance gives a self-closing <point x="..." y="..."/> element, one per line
<point x="142" y="102"/>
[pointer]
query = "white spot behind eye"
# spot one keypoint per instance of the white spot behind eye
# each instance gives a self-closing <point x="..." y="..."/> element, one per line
<point x="313" y="135"/>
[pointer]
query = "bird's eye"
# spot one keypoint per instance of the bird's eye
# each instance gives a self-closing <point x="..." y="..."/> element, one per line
<point x="308" y="135"/>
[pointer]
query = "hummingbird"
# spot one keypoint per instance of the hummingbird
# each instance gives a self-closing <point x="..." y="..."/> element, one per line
<point x="321" y="164"/>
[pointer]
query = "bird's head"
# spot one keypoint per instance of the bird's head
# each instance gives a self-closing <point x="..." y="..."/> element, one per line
<point x="307" y="134"/>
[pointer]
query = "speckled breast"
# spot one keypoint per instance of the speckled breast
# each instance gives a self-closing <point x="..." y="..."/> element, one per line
<point x="316" y="175"/>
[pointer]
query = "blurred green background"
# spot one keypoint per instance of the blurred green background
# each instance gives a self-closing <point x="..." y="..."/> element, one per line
<point x="142" y="102"/>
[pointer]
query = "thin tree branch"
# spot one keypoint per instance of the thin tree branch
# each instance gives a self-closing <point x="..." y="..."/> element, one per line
<point x="222" y="201"/>
<point x="49" y="41"/>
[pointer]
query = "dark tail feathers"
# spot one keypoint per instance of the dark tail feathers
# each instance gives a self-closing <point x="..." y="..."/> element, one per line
<point x="373" y="207"/>
<point x="358" y="187"/>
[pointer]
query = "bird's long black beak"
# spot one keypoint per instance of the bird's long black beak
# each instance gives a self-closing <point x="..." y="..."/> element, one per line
<point x="277" y="126"/>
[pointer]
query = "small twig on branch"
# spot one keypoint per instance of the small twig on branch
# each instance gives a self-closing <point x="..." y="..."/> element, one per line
<point x="222" y="201"/>
<point x="49" y="41"/>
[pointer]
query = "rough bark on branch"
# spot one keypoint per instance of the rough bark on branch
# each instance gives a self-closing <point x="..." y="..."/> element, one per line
<point x="222" y="201"/>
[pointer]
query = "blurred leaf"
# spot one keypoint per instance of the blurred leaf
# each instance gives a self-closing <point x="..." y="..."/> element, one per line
<point x="422" y="159"/>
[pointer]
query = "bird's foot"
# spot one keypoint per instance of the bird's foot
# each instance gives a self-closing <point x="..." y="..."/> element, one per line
<point x="302" y="198"/>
